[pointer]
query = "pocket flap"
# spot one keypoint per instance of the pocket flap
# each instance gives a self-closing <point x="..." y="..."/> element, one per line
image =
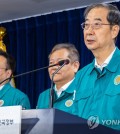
<point x="83" y="94"/>
<point x="114" y="90"/>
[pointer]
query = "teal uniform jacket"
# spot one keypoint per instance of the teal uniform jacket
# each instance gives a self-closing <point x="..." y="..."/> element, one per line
<point x="10" y="96"/>
<point x="100" y="92"/>
<point x="67" y="101"/>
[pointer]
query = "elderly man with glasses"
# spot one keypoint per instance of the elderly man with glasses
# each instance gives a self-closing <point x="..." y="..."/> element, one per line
<point x="99" y="82"/>
<point x="64" y="95"/>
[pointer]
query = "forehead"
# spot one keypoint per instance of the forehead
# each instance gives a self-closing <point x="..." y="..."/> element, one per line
<point x="2" y="59"/>
<point x="98" y="13"/>
<point x="62" y="53"/>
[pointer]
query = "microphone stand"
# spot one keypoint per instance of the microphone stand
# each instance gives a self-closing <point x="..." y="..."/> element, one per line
<point x="59" y="63"/>
<point x="51" y="89"/>
<point x="28" y="72"/>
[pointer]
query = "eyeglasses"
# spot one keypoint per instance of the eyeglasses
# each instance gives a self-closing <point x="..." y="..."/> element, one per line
<point x="4" y="68"/>
<point x="59" y="62"/>
<point x="96" y="25"/>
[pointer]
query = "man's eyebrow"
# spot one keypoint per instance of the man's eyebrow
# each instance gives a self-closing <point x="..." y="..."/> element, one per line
<point x="98" y="19"/>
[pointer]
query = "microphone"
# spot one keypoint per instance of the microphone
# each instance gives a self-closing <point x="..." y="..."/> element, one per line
<point x="62" y="63"/>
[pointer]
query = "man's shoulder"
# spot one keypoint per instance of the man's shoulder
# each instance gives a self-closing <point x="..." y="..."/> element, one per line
<point x="84" y="72"/>
<point x="85" y="69"/>
<point x="43" y="99"/>
<point x="16" y="91"/>
<point x="45" y="92"/>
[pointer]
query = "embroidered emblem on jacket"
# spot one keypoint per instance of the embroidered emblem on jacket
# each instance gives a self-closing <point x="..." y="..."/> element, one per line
<point x="117" y="80"/>
<point x="68" y="103"/>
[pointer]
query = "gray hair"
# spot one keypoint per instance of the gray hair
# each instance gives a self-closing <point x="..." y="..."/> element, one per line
<point x="73" y="52"/>
<point x="113" y="16"/>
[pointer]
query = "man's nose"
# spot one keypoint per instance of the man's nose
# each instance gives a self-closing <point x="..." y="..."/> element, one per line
<point x="90" y="30"/>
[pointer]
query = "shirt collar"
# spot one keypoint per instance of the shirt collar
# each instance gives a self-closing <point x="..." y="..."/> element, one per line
<point x="1" y="87"/>
<point x="63" y="88"/>
<point x="106" y="62"/>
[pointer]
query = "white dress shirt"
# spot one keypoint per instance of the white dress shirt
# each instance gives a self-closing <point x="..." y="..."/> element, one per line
<point x="1" y="87"/>
<point x="106" y="62"/>
<point x="63" y="88"/>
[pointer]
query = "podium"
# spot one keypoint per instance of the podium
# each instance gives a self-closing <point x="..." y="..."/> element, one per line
<point x="52" y="121"/>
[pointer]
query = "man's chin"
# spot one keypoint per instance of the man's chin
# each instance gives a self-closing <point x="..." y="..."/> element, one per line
<point x="56" y="80"/>
<point x="91" y="48"/>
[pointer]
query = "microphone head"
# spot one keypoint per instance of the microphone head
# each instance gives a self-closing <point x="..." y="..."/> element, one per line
<point x="60" y="63"/>
<point x="67" y="61"/>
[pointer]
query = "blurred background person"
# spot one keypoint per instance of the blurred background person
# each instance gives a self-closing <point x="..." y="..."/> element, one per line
<point x="10" y="96"/>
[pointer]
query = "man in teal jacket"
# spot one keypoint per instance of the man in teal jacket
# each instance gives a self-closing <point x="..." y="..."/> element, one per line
<point x="99" y="82"/>
<point x="65" y="91"/>
<point x="10" y="96"/>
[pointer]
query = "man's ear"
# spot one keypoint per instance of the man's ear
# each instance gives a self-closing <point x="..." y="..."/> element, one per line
<point x="9" y="73"/>
<point x="115" y="31"/>
<point x="76" y="65"/>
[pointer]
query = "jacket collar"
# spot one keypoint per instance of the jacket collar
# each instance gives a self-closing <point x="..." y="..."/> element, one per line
<point x="4" y="90"/>
<point x="112" y="66"/>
